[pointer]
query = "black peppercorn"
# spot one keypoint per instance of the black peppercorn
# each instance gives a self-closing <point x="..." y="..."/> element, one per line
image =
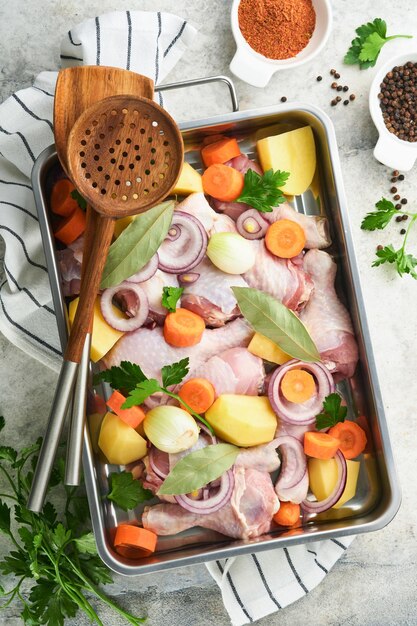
<point x="401" y="177"/>
<point x="333" y="103"/>
<point x="394" y="179"/>
<point x="319" y="78"/>
<point x="345" y="88"/>
<point x="397" y="196"/>
<point x="338" y="98"/>
<point x="395" y="173"/>
<point x="398" y="91"/>
<point x="339" y="88"/>
<point x="399" y="218"/>
<point x="333" y="85"/>
<point x="379" y="247"/>
<point x="404" y="218"/>
<point x="393" y="190"/>
<point x="332" y="72"/>
<point x="398" y="207"/>
<point x="352" y="96"/>
<point x="336" y="75"/>
<point x="345" y="102"/>
<point x="283" y="99"/>
<point x="404" y="201"/>
<point x="402" y="231"/>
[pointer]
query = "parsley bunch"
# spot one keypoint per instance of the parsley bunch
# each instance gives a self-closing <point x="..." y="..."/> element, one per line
<point x="56" y="553"/>
<point x="379" y="219"/>
<point x="129" y="378"/>
<point x="333" y="412"/>
<point x="263" y="192"/>
<point x="365" y="48"/>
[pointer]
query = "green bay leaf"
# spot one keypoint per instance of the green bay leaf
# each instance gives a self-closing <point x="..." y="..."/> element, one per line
<point x="199" y="468"/>
<point x="137" y="244"/>
<point x="271" y="318"/>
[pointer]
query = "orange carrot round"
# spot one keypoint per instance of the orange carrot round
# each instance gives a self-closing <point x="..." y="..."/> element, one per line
<point x="220" y="151"/>
<point x="320" y="445"/>
<point x="285" y="239"/>
<point x="198" y="393"/>
<point x="223" y="182"/>
<point x="297" y="385"/>
<point x="134" y="542"/>
<point x="352" y="438"/>
<point x="183" y="328"/>
<point x="288" y="514"/>
<point x="132" y="417"/>
<point x="62" y="203"/>
<point x="71" y="227"/>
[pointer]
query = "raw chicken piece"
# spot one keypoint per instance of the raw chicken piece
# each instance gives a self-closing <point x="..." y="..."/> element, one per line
<point x="153" y="288"/>
<point x="242" y="164"/>
<point x="234" y="371"/>
<point x="211" y="295"/>
<point x="196" y="204"/>
<point x="248" y="513"/>
<point x="327" y="319"/>
<point x="285" y="279"/>
<point x="69" y="261"/>
<point x="149" y="349"/>
<point x="263" y="458"/>
<point x="316" y="227"/>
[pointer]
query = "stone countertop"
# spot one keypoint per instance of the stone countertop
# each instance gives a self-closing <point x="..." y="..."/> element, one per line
<point x="374" y="584"/>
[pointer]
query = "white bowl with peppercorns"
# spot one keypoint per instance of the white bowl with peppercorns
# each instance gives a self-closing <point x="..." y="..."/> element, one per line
<point x="273" y="35"/>
<point x="393" y="108"/>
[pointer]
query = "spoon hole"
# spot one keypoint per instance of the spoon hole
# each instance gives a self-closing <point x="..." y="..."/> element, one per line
<point x="138" y="179"/>
<point x="107" y="177"/>
<point x="82" y="153"/>
<point x="95" y="185"/>
<point x="103" y="192"/>
<point x="88" y="131"/>
<point x="111" y="127"/>
<point x="137" y="157"/>
<point x="102" y="135"/>
<point x="135" y="196"/>
<point x="83" y="165"/>
<point x="145" y="192"/>
<point x="83" y="142"/>
<point x="113" y="112"/>
<point x="155" y="123"/>
<point x="88" y="175"/>
<point x="132" y="125"/>
<point x="124" y="198"/>
<point x="95" y="122"/>
<point x="131" y="166"/>
<point x="128" y="140"/>
<point x="166" y="143"/>
<point x="118" y="142"/>
<point x="155" y="185"/>
<point x="128" y="183"/>
<point x="121" y="168"/>
<point x="161" y="132"/>
<point x="97" y="146"/>
<point x="96" y="157"/>
<point x="113" y="161"/>
<point x="161" y="175"/>
<point x="152" y="161"/>
<point x="147" y="172"/>
<point x="114" y="196"/>
<point x="111" y="150"/>
<point x="149" y="139"/>
<point x="142" y="131"/>
<point x="124" y="111"/>
<point x="153" y="150"/>
<point x="117" y="182"/>
<point x="99" y="169"/>
<point x="124" y="154"/>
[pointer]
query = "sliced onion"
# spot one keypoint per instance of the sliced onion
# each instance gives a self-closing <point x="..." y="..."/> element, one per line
<point x="251" y="224"/>
<point x="322" y="505"/>
<point x="184" y="246"/>
<point x="293" y="462"/>
<point x="159" y="462"/>
<point x="305" y="412"/>
<point x="210" y="435"/>
<point x="214" y="502"/>
<point x="188" y="279"/>
<point x="137" y="312"/>
<point x="146" y="272"/>
<point x="170" y="428"/>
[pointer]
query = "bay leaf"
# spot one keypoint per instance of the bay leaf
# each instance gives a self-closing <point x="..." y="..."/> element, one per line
<point x="137" y="244"/>
<point x="271" y="318"/>
<point x="199" y="468"/>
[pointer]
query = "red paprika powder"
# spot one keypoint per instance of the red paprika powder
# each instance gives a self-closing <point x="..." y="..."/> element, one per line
<point x="277" y="29"/>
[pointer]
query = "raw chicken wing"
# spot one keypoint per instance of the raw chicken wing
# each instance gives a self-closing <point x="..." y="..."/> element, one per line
<point x="234" y="371"/>
<point x="316" y="227"/>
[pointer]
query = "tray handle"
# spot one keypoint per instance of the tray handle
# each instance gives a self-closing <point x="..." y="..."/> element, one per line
<point x="204" y="81"/>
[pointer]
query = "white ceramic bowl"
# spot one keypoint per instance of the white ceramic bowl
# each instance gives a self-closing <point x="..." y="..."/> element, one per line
<point x="257" y="70"/>
<point x="390" y="150"/>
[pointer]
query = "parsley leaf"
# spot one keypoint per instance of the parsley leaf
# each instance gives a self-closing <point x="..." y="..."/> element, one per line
<point x="170" y="297"/>
<point x="125" y="376"/>
<point x="365" y="48"/>
<point x="263" y="192"/>
<point x="80" y="200"/>
<point x="380" y="218"/>
<point x="86" y="544"/>
<point x="174" y="373"/>
<point x="4" y="518"/>
<point x="8" y="454"/>
<point x="405" y="263"/>
<point x="126" y="491"/>
<point x="333" y="412"/>
<point x="142" y="391"/>
<point x="2" y="422"/>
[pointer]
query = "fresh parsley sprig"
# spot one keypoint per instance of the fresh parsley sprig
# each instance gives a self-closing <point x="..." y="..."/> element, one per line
<point x="333" y="412"/>
<point x="139" y="387"/>
<point x="263" y="192"/>
<point x="365" y="48"/>
<point x="170" y="297"/>
<point x="82" y="203"/>
<point x="56" y="553"/>
<point x="377" y="220"/>
<point x="126" y="491"/>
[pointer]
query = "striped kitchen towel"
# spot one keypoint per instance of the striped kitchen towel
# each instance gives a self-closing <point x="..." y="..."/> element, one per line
<point x="149" y="43"/>
<point x="252" y="586"/>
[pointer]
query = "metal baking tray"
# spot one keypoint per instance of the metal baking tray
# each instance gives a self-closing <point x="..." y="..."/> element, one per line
<point x="378" y="496"/>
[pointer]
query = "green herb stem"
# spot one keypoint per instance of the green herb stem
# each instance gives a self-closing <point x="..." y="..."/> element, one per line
<point x="413" y="219"/>
<point x="398" y="37"/>
<point x="187" y="406"/>
<point x="7" y="475"/>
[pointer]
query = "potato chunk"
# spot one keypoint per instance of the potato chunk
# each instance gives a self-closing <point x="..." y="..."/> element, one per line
<point x="323" y="477"/>
<point x="120" y="443"/>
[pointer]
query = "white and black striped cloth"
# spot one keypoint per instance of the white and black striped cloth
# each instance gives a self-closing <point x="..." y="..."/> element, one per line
<point x="252" y="586"/>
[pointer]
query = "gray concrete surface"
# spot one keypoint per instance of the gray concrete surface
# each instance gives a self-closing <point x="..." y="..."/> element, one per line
<point x="374" y="584"/>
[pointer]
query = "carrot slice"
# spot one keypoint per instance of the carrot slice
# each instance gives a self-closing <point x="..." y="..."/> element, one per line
<point x="352" y="438"/>
<point x="183" y="328"/>
<point x="133" y="416"/>
<point x="212" y="139"/>
<point x="223" y="182"/>
<point x="220" y="151"/>
<point x="285" y="239"/>
<point x="297" y="386"/>
<point x="288" y="514"/>
<point x="62" y="203"/>
<point x="320" y="445"/>
<point x="198" y="393"/>
<point x="71" y="227"/>
<point x="134" y="542"/>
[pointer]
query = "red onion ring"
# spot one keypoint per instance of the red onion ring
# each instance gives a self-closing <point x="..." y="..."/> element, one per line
<point x="251" y="216"/>
<point x="305" y="412"/>
<point x="188" y="279"/>
<point x="146" y="272"/>
<point x="213" y="502"/>
<point x="159" y="462"/>
<point x="181" y="253"/>
<point x="210" y="435"/>
<point x="293" y="463"/>
<point x="310" y="506"/>
<point x="138" y="318"/>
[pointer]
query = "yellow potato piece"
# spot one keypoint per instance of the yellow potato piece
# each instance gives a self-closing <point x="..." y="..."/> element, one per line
<point x="266" y="349"/>
<point x="119" y="442"/>
<point x="293" y="152"/>
<point x="104" y="336"/>
<point x="242" y="420"/>
<point x="323" y="476"/>
<point x="189" y="181"/>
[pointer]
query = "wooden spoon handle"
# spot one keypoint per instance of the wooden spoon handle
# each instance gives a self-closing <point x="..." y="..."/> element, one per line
<point x="90" y="285"/>
<point x="92" y="217"/>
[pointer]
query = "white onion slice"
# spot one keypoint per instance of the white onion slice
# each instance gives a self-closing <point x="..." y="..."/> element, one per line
<point x="146" y="272"/>
<point x="293" y="463"/>
<point x="309" y="506"/>
<point x="138" y="313"/>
